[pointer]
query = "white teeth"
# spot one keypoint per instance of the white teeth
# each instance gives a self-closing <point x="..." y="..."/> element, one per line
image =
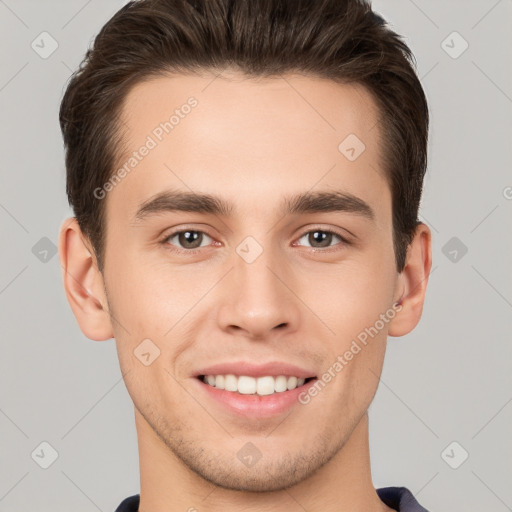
<point x="230" y="383"/>
<point x="292" y="383"/>
<point x="246" y="385"/>
<point x="219" y="381"/>
<point x="265" y="386"/>
<point x="281" y="384"/>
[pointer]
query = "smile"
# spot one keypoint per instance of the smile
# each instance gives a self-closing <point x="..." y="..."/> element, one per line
<point x="247" y="385"/>
<point x="253" y="398"/>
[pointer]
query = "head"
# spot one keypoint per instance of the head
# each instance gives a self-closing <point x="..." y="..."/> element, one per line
<point x="277" y="121"/>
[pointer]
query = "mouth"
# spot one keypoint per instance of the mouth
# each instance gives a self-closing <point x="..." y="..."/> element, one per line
<point x="254" y="391"/>
<point x="262" y="386"/>
<point x="253" y="398"/>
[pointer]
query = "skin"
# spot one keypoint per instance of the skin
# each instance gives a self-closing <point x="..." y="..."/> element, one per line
<point x="250" y="142"/>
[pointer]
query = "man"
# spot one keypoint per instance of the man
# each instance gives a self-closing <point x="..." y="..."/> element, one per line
<point x="246" y="177"/>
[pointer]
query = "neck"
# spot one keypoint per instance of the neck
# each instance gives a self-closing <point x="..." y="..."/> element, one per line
<point x="341" y="485"/>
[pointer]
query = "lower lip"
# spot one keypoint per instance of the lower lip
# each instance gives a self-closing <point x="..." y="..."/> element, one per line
<point x="255" y="405"/>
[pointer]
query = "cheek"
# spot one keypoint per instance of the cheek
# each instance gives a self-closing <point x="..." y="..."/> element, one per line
<point x="156" y="303"/>
<point x="149" y="298"/>
<point x="352" y="302"/>
<point x="350" y="297"/>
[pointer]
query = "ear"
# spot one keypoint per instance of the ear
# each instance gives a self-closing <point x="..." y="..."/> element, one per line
<point x="83" y="282"/>
<point x="412" y="282"/>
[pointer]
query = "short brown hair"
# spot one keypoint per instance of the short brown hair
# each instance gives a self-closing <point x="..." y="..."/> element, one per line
<point x="341" y="40"/>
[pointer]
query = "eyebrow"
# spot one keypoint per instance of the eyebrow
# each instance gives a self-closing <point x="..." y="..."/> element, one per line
<point x="306" y="202"/>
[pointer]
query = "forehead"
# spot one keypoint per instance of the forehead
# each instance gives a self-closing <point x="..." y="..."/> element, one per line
<point x="247" y="138"/>
<point x="240" y="104"/>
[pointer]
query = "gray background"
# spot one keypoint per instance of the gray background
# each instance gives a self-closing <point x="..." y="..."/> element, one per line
<point x="448" y="381"/>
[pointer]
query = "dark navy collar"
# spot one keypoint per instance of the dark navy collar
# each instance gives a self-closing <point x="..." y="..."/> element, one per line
<point x="398" y="498"/>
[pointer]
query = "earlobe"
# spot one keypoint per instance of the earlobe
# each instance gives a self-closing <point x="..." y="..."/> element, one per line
<point x="83" y="283"/>
<point x="412" y="283"/>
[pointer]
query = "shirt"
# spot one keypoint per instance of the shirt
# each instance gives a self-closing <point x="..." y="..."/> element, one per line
<point x="398" y="498"/>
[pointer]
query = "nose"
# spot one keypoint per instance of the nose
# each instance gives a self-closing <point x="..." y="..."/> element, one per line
<point x="258" y="298"/>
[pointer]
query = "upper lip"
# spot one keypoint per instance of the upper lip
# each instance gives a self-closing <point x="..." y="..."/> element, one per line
<point x="238" y="368"/>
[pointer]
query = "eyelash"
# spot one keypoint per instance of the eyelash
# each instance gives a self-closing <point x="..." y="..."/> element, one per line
<point x="168" y="246"/>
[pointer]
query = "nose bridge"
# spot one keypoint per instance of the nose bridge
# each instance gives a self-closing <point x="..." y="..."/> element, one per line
<point x="259" y="300"/>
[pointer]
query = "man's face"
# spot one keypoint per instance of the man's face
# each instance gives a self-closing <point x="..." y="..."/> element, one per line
<point x="257" y="285"/>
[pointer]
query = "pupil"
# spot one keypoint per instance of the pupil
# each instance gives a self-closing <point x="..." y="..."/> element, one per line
<point x="321" y="238"/>
<point x="189" y="237"/>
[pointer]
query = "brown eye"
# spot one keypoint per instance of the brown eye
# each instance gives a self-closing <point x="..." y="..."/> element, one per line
<point x="321" y="238"/>
<point x="187" y="239"/>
